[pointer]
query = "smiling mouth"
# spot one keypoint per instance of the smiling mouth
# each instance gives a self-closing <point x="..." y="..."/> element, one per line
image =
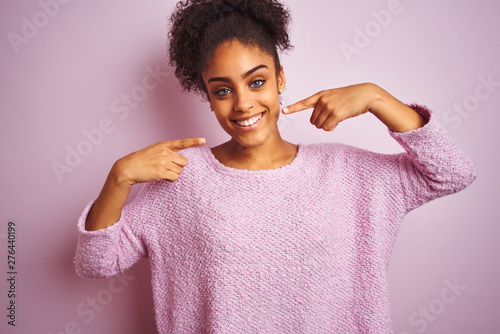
<point x="249" y="122"/>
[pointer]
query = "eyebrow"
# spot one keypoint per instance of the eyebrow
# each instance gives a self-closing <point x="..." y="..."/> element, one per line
<point x="246" y="74"/>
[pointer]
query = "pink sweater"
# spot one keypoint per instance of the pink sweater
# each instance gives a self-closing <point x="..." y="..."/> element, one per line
<point x="299" y="249"/>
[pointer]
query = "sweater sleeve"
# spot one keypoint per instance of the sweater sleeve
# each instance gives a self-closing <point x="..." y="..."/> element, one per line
<point x="108" y="251"/>
<point x="433" y="164"/>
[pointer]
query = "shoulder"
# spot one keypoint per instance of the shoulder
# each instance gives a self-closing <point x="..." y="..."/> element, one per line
<point x="196" y="164"/>
<point x="197" y="158"/>
<point x="330" y="150"/>
<point x="193" y="152"/>
<point x="198" y="167"/>
<point x="328" y="154"/>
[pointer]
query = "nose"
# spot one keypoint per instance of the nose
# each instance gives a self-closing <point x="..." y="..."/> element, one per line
<point x="243" y="101"/>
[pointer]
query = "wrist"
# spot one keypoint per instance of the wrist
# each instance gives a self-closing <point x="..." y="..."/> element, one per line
<point x="118" y="178"/>
<point x="396" y="115"/>
<point x="379" y="100"/>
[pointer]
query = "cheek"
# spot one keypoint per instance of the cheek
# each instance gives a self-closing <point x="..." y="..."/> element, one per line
<point x="272" y="101"/>
<point x="222" y="119"/>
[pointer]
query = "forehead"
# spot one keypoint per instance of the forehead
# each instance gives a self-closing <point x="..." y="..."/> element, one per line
<point x="234" y="57"/>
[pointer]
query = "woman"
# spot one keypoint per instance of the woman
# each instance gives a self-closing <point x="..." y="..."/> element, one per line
<point x="259" y="235"/>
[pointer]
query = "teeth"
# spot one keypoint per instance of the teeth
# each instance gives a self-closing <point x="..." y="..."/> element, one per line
<point x="249" y="122"/>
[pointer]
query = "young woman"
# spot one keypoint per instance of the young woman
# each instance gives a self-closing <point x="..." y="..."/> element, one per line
<point x="260" y="235"/>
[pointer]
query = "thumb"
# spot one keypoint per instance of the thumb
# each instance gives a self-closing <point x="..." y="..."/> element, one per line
<point x="304" y="104"/>
<point x="181" y="144"/>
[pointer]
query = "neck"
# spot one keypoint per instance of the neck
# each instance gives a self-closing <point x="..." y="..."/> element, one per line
<point x="273" y="154"/>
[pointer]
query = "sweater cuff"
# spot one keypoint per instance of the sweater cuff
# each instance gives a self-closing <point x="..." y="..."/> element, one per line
<point x="110" y="230"/>
<point x="423" y="133"/>
<point x="96" y="250"/>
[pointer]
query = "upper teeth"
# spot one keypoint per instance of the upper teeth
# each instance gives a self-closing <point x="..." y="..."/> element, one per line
<point x="250" y="121"/>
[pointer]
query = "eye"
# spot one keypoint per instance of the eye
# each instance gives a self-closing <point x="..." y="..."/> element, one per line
<point x="222" y="92"/>
<point x="257" y="83"/>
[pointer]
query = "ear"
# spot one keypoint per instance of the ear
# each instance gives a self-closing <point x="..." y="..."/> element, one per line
<point x="281" y="78"/>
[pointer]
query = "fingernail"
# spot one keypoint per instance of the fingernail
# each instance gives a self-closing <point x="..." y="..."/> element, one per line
<point x="285" y="110"/>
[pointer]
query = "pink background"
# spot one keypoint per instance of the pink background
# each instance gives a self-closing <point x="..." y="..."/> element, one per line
<point x="74" y="67"/>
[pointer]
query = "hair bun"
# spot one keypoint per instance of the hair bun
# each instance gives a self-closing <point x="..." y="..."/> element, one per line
<point x="227" y="7"/>
<point x="199" y="26"/>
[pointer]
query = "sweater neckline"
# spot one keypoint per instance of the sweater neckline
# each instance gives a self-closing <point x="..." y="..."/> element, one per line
<point x="221" y="168"/>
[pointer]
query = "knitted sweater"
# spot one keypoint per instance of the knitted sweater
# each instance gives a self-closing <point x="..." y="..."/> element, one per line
<point x="299" y="249"/>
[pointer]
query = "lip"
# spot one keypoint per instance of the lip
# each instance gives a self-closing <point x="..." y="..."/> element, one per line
<point x="241" y="119"/>
<point x="251" y="127"/>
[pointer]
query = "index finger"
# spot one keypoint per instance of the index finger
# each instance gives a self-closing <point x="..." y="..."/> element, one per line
<point x="181" y="144"/>
<point x="304" y="104"/>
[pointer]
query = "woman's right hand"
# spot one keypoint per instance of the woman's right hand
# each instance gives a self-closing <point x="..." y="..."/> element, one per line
<point x="159" y="161"/>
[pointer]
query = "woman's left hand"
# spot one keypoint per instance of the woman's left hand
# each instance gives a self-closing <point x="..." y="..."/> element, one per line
<point x="336" y="105"/>
<point x="333" y="106"/>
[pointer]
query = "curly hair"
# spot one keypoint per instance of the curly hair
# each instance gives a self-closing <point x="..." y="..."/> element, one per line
<point x="198" y="27"/>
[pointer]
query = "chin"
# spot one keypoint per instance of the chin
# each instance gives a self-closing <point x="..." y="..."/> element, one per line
<point x="258" y="136"/>
<point x="251" y="140"/>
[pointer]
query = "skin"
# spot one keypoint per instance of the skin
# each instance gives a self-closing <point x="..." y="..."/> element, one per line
<point x="330" y="107"/>
<point x="241" y="82"/>
<point x="159" y="161"/>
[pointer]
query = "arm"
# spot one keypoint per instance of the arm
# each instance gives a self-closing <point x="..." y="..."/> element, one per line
<point x="156" y="162"/>
<point x="108" y="207"/>
<point x="397" y="116"/>
<point x="336" y="105"/>
<point x="110" y="232"/>
<point x="433" y="164"/>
